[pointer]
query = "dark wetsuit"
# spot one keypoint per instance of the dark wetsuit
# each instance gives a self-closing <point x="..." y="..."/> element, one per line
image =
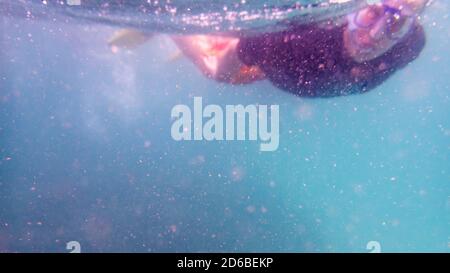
<point x="312" y="61"/>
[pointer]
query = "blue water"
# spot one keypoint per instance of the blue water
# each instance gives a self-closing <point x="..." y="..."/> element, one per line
<point x="175" y="16"/>
<point x="86" y="154"/>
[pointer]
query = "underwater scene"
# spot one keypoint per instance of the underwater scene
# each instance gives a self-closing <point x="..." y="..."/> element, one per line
<point x="224" y="126"/>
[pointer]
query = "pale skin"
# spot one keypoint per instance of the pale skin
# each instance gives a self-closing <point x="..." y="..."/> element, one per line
<point x="216" y="58"/>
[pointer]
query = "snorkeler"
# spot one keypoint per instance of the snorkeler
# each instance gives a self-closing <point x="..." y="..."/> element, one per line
<point x="321" y="60"/>
<point x="317" y="60"/>
<point x="329" y="60"/>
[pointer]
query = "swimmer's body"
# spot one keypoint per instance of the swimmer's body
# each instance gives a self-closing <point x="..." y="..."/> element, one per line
<point x="317" y="60"/>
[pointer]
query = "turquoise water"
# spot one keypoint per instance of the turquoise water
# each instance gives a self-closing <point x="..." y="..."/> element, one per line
<point x="87" y="156"/>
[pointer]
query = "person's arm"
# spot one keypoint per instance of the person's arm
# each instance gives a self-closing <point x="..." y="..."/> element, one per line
<point x="216" y="57"/>
<point x="128" y="39"/>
